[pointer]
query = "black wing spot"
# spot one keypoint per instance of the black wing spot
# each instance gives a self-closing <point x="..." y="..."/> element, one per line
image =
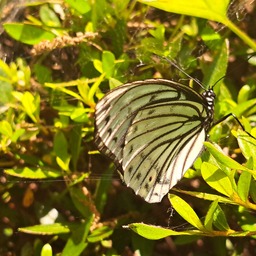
<point x="138" y="176"/>
<point x="107" y="119"/>
<point x="115" y="139"/>
<point x="146" y="187"/>
<point x="150" y="178"/>
<point x="150" y="112"/>
<point x="109" y="131"/>
<point x="142" y="155"/>
<point x="130" y="169"/>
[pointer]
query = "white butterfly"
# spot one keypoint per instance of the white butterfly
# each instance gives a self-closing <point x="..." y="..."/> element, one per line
<point x="153" y="130"/>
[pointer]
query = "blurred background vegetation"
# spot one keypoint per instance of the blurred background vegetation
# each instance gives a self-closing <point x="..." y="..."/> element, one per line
<point x="59" y="196"/>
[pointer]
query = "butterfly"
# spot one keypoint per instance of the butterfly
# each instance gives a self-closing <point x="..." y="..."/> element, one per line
<point x="153" y="130"/>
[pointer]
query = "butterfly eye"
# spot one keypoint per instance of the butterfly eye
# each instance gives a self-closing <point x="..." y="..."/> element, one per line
<point x="153" y="130"/>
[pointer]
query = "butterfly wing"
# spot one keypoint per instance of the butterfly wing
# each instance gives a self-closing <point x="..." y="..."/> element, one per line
<point x="161" y="144"/>
<point x="153" y="130"/>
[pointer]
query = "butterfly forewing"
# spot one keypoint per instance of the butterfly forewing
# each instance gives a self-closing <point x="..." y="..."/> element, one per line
<point x="153" y="130"/>
<point x="115" y="112"/>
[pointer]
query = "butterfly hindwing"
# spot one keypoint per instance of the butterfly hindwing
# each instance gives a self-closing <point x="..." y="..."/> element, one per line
<point x="153" y="130"/>
<point x="155" y="139"/>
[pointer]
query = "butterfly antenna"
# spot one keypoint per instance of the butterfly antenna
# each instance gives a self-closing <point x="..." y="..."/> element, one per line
<point x="218" y="81"/>
<point x="184" y="72"/>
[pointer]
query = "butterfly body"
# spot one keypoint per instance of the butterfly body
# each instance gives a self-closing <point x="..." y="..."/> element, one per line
<point x="153" y="130"/>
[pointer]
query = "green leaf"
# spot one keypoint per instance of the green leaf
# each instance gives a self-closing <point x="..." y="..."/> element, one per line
<point x="209" y="216"/>
<point x="46" y="250"/>
<point x="185" y="211"/>
<point x="207" y="9"/>
<point x="98" y="65"/>
<point x="81" y="6"/>
<point x="103" y="185"/>
<point x="6" y="129"/>
<point x="157" y="232"/>
<point x="60" y="147"/>
<point x="190" y="29"/>
<point x="17" y="134"/>
<point x="253" y="190"/>
<point x="217" y="69"/>
<point x="80" y="115"/>
<point x="158" y="33"/>
<point x="244" y="108"/>
<point x="113" y="83"/>
<point x="246" y="219"/>
<point x="207" y="196"/>
<point x="83" y="202"/>
<point x="51" y="229"/>
<point x="49" y="17"/>
<point x="219" y="219"/>
<point x="30" y="104"/>
<point x="62" y="87"/>
<point x="77" y="241"/>
<point x="217" y="179"/>
<point x="243" y="185"/>
<point x="83" y="88"/>
<point x="28" y="34"/>
<point x="244" y="94"/>
<point x="247" y="144"/>
<point x="34" y="173"/>
<point x="143" y="246"/>
<point x="100" y="234"/>
<point x="5" y="72"/>
<point x="223" y="159"/>
<point x="108" y="63"/>
<point x="210" y="36"/>
<point x="42" y="73"/>
<point x="5" y="92"/>
<point x="75" y="140"/>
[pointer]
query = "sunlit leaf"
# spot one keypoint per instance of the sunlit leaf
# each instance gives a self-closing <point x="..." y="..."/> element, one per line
<point x="217" y="179"/>
<point x="108" y="63"/>
<point x="100" y="234"/>
<point x="157" y="232"/>
<point x="61" y="150"/>
<point x="223" y="159"/>
<point x="219" y="219"/>
<point x="52" y="229"/>
<point x="34" y="173"/>
<point x="46" y="250"/>
<point x="211" y="10"/>
<point x="243" y="185"/>
<point x="185" y="211"/>
<point x="81" y="6"/>
<point x="209" y="216"/>
<point x="49" y="17"/>
<point x="28" y="34"/>
<point x="6" y="128"/>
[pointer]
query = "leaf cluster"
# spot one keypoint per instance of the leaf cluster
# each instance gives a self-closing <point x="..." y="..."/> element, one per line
<point x="57" y="192"/>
